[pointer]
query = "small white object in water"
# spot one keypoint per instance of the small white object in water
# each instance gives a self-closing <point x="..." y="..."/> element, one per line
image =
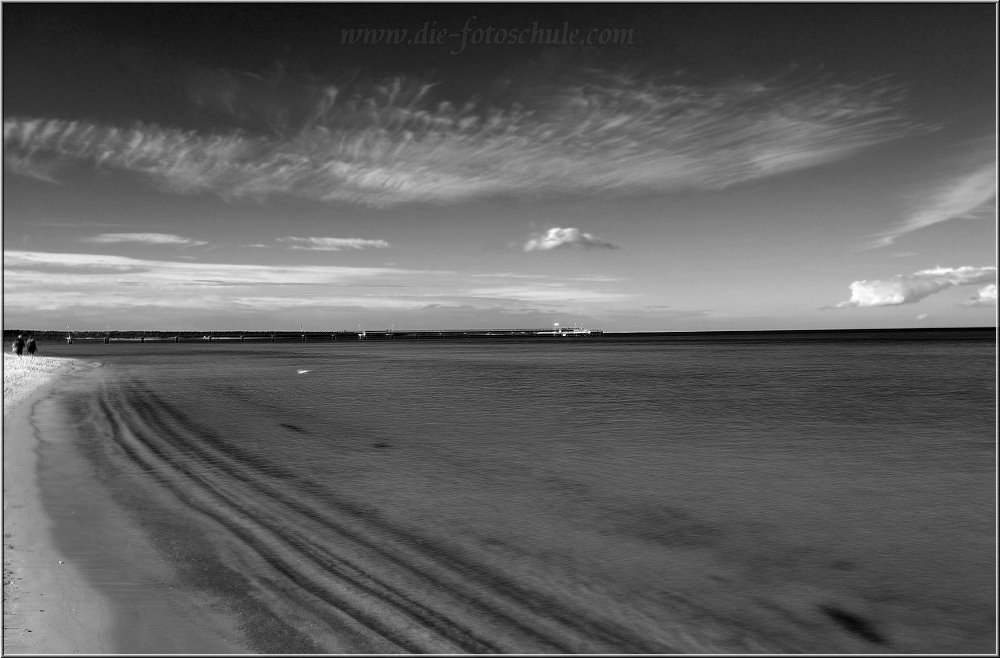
<point x="302" y="372"/>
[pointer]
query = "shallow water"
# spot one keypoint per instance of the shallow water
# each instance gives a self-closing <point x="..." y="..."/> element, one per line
<point x="629" y="496"/>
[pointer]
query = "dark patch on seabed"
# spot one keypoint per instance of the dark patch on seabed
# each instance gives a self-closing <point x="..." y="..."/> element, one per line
<point x="668" y="526"/>
<point x="294" y="428"/>
<point x="853" y="623"/>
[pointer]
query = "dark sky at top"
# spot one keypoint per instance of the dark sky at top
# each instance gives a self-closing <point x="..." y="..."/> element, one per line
<point x="123" y="61"/>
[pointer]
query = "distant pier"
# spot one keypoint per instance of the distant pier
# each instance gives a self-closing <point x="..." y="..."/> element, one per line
<point x="486" y="335"/>
<point x="108" y="337"/>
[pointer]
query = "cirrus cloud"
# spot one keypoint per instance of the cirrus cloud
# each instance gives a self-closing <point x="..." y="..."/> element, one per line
<point x="332" y="244"/>
<point x="966" y="196"/>
<point x="68" y="284"/>
<point x="143" y="238"/>
<point x="401" y="140"/>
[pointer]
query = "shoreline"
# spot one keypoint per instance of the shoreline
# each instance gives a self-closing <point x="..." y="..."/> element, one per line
<point x="76" y="574"/>
<point x="32" y="565"/>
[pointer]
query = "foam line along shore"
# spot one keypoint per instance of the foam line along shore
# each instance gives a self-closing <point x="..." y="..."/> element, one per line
<point x="51" y="602"/>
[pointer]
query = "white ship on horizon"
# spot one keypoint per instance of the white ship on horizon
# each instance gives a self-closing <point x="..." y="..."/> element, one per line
<point x="568" y="331"/>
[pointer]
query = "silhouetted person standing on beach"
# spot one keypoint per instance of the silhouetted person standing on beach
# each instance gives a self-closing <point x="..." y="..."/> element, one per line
<point x="31" y="346"/>
<point x="18" y="345"/>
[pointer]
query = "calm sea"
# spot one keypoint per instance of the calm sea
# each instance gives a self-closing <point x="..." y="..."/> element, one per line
<point x="719" y="494"/>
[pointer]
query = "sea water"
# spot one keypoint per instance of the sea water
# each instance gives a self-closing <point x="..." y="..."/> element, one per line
<point x="779" y="493"/>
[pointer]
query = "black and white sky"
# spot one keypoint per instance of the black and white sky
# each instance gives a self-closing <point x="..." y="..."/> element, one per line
<point x="652" y="166"/>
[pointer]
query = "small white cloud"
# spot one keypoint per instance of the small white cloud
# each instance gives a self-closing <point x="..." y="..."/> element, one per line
<point x="922" y="316"/>
<point x="985" y="296"/>
<point x="143" y="238"/>
<point x="558" y="238"/>
<point x="911" y="288"/>
<point x="333" y="244"/>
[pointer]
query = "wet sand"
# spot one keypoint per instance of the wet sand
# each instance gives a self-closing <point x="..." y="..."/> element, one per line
<point x="78" y="577"/>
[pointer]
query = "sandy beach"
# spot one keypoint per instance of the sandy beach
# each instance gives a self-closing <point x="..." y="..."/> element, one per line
<point x="48" y="608"/>
<point x="55" y="600"/>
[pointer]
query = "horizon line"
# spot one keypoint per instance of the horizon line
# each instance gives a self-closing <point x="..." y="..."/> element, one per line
<point x="467" y="329"/>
